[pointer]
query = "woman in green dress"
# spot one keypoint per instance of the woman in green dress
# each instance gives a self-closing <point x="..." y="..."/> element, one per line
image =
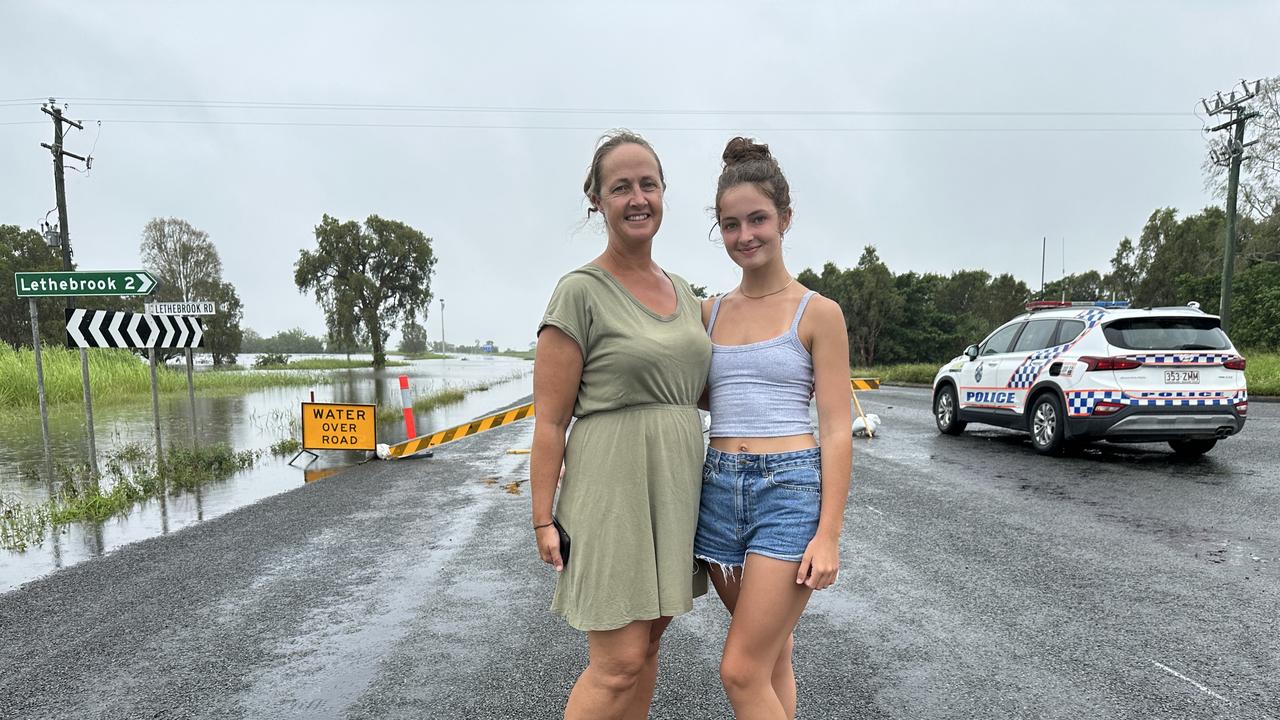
<point x="622" y="349"/>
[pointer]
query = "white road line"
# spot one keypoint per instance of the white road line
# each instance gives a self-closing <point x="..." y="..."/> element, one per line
<point x="1177" y="674"/>
<point x="874" y="510"/>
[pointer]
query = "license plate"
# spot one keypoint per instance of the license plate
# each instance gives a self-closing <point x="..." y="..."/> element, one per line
<point x="1182" y="377"/>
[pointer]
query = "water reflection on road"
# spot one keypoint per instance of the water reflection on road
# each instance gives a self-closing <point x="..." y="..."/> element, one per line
<point x="252" y="421"/>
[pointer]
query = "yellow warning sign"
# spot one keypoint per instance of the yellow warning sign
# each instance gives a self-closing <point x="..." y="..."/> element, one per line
<point x="426" y="442"/>
<point x="865" y="383"/>
<point x="339" y="426"/>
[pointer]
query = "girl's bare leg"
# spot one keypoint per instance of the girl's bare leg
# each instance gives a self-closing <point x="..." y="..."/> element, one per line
<point x="782" y="678"/>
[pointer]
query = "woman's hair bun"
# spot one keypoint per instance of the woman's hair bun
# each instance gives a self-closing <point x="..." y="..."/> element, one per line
<point x="742" y="149"/>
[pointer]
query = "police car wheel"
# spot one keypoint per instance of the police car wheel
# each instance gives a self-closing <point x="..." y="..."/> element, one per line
<point x="1191" y="448"/>
<point x="1047" y="424"/>
<point x="946" y="411"/>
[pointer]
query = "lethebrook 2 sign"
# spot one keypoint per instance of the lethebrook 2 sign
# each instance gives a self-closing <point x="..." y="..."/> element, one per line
<point x="339" y="426"/>
<point x="74" y="284"/>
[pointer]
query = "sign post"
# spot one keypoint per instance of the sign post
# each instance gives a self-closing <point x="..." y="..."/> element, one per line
<point x="68" y="283"/>
<point x="44" y="405"/>
<point x="186" y="307"/>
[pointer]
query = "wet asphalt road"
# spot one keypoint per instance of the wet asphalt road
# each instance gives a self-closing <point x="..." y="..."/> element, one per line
<point x="980" y="581"/>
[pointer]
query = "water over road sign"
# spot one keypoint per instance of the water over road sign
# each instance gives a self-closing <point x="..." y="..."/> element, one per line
<point x="110" y="329"/>
<point x="78" y="284"/>
<point x="339" y="426"/>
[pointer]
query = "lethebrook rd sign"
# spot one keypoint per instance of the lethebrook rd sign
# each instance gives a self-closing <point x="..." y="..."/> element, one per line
<point x="67" y="284"/>
<point x="187" y="307"/>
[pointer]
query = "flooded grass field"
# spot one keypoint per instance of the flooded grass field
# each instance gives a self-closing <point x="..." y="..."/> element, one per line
<point x="252" y="421"/>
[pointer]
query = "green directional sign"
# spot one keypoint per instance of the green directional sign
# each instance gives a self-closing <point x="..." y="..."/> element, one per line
<point x="74" y="284"/>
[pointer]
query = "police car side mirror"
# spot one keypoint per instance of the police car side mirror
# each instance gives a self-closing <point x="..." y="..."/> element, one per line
<point x="971" y="352"/>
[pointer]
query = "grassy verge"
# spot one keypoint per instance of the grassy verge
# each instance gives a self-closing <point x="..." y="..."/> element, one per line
<point x="131" y="475"/>
<point x="424" y="356"/>
<point x="522" y="354"/>
<point x="120" y="376"/>
<point x="1262" y="372"/>
<point x="908" y="373"/>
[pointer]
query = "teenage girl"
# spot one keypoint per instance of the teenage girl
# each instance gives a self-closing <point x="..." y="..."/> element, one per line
<point x="773" y="496"/>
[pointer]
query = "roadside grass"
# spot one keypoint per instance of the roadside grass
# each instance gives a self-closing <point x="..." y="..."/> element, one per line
<point x="907" y="373"/>
<point x="522" y="354"/>
<point x="423" y="356"/>
<point x="1262" y="372"/>
<point x="119" y="376"/>
<point x="131" y="475"/>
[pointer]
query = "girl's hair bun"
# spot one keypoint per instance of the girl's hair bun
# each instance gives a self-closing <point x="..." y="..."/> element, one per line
<point x="742" y="149"/>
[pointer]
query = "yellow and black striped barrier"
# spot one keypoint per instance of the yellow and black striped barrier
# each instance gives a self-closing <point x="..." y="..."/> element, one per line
<point x="863" y="384"/>
<point x="426" y="442"/>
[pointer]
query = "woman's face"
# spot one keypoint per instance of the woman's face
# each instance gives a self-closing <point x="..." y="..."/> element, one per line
<point x="751" y="226"/>
<point x="630" y="194"/>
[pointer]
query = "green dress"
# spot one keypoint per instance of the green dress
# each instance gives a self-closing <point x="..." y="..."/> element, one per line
<point x="633" y="460"/>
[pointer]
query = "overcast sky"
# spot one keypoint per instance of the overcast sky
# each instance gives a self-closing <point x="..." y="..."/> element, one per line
<point x="851" y="96"/>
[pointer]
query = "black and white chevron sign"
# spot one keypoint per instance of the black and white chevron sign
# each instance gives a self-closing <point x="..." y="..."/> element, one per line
<point x="111" y="329"/>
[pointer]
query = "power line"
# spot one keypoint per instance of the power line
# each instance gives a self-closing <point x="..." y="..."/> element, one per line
<point x="596" y="128"/>
<point x="310" y="106"/>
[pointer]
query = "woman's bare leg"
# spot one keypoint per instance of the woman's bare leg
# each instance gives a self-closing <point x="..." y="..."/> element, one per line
<point x="616" y="673"/>
<point x="643" y="697"/>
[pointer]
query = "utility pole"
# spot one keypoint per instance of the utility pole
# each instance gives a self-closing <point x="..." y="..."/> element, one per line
<point x="1231" y="155"/>
<point x="443" y="347"/>
<point x="59" y="185"/>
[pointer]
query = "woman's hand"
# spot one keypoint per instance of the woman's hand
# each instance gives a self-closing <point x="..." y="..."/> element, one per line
<point x="820" y="564"/>
<point x="549" y="546"/>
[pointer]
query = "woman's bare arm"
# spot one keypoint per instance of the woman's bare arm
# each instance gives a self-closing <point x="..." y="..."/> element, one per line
<point x="557" y="372"/>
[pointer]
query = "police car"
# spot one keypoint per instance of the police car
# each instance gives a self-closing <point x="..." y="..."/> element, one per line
<point x="1072" y="372"/>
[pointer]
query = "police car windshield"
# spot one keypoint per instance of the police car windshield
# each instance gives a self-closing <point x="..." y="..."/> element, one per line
<point x="1167" y="333"/>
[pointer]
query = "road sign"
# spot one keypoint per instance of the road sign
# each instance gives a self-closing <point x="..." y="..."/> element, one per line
<point x="79" y="284"/>
<point x="339" y="426"/>
<point x="188" y="307"/>
<point x="110" y="329"/>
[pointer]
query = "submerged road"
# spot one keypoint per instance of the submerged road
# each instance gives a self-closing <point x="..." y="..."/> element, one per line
<point x="980" y="581"/>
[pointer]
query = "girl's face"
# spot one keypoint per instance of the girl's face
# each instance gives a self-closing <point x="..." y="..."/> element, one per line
<point x="751" y="226"/>
<point x="630" y="194"/>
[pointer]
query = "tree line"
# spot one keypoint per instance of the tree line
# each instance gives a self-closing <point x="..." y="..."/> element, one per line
<point x="912" y="317"/>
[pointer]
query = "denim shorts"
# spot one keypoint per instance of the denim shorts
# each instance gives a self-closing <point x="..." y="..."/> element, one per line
<point x="753" y="503"/>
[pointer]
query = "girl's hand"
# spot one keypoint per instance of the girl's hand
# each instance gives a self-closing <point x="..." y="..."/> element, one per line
<point x="820" y="564"/>
<point x="549" y="546"/>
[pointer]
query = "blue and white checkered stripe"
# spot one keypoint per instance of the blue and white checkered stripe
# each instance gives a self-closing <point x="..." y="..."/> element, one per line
<point x="1092" y="316"/>
<point x="1081" y="402"/>
<point x="1030" y="368"/>
<point x="1183" y="358"/>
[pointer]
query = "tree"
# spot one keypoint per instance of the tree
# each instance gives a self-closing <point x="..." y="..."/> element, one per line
<point x="413" y="338"/>
<point x="181" y="257"/>
<point x="187" y="267"/>
<point x="26" y="251"/>
<point x="875" y="304"/>
<point x="222" y="334"/>
<point x="376" y="275"/>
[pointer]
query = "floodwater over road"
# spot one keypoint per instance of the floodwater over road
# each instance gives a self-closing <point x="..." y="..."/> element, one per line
<point x="249" y="421"/>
